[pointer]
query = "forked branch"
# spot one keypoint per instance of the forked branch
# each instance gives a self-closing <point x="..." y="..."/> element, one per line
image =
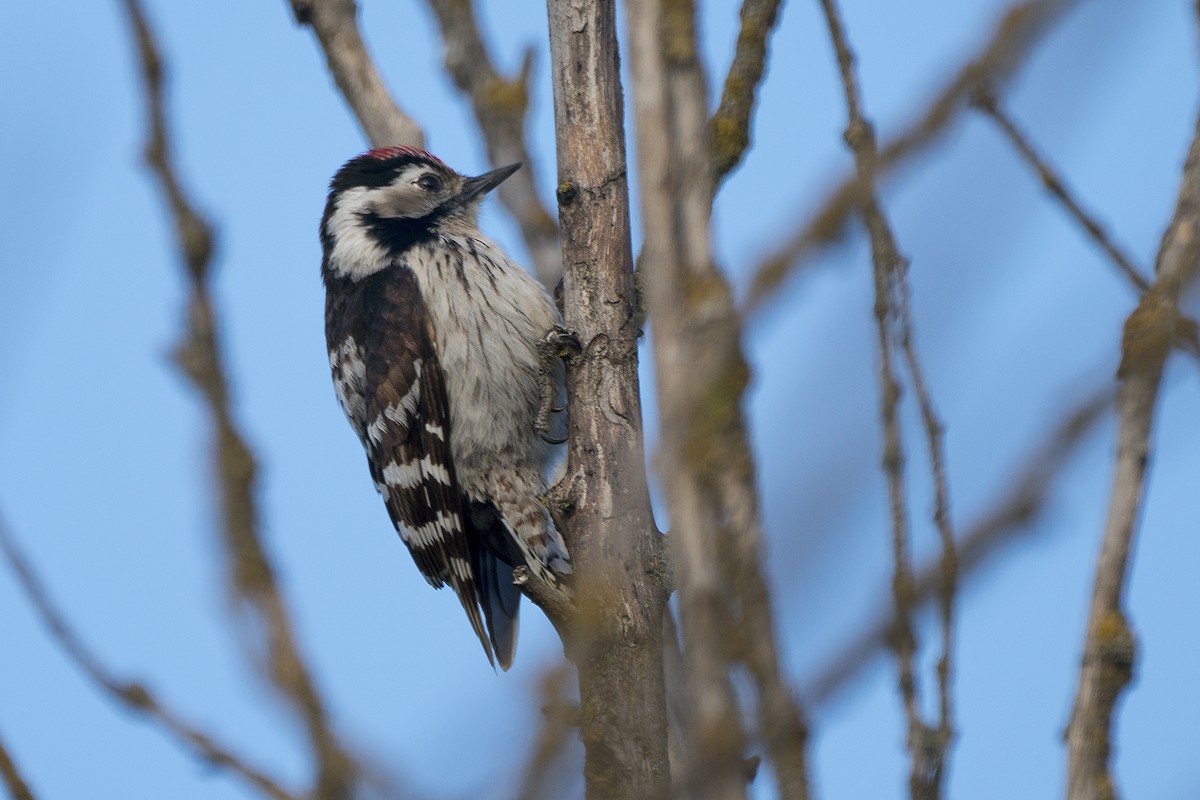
<point x="992" y="108"/>
<point x="728" y="129"/>
<point x="1006" y="51"/>
<point x="927" y="746"/>
<point x="1109" y="648"/>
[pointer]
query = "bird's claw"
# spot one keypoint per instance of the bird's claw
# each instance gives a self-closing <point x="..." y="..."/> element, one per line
<point x="557" y="343"/>
<point x="561" y="342"/>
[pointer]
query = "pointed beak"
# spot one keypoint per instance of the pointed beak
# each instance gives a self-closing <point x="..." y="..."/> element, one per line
<point x="474" y="188"/>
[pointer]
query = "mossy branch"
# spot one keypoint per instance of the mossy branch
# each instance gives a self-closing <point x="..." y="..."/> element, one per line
<point x="728" y="130"/>
<point x="1149" y="332"/>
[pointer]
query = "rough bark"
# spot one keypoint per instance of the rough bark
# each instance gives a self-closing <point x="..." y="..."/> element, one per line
<point x="602" y="504"/>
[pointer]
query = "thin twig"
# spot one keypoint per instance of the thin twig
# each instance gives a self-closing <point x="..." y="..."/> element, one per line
<point x="252" y="577"/>
<point x="1109" y="649"/>
<point x="1013" y="513"/>
<point x="985" y="100"/>
<point x="500" y="107"/>
<point x="335" y="23"/>
<point x="18" y="788"/>
<point x="887" y="263"/>
<point x="948" y="585"/>
<point x="728" y="130"/>
<point x="927" y="747"/>
<point x="1006" y="51"/>
<point x="133" y="696"/>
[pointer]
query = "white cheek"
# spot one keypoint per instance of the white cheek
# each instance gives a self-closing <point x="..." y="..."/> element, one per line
<point x="355" y="254"/>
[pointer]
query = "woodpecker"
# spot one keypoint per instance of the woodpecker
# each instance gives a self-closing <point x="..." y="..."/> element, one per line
<point x="434" y="344"/>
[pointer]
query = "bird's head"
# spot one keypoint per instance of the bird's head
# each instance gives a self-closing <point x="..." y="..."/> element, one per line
<point x="385" y="201"/>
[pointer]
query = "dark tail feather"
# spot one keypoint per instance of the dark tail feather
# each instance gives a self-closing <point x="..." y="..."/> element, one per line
<point x="501" y="600"/>
<point x="492" y="564"/>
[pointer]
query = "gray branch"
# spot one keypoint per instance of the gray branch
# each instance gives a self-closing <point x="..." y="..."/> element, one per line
<point x="705" y="458"/>
<point x="335" y="23"/>
<point x="1013" y="40"/>
<point x="928" y="745"/>
<point x="200" y="358"/>
<point x="602" y="504"/>
<point x="1109" y="649"/>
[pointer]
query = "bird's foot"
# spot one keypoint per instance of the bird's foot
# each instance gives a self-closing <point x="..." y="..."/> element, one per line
<point x="557" y="343"/>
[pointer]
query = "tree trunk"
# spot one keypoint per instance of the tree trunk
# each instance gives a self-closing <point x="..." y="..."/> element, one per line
<point x="602" y="504"/>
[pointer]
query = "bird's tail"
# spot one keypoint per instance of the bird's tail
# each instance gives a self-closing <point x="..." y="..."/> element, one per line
<point x="493" y="572"/>
<point x="501" y="602"/>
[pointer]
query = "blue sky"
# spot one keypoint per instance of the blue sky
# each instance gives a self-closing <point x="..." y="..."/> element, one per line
<point x="104" y="449"/>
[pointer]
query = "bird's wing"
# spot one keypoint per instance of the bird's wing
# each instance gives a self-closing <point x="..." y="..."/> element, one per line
<point x="406" y="432"/>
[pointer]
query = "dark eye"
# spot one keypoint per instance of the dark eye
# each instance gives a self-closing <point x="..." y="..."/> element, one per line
<point x="430" y="182"/>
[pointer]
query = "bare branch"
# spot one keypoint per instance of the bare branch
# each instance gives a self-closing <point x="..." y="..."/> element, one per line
<point x="1006" y="51"/>
<point x="893" y="320"/>
<point x="705" y="459"/>
<point x="1110" y="648"/>
<point x="18" y="789"/>
<point x="602" y="504"/>
<point x="133" y="696"/>
<point x="728" y="131"/>
<point x="681" y="703"/>
<point x="1012" y="514"/>
<point x="199" y="357"/>
<point x="335" y="23"/>
<point x="666" y="77"/>
<point x="500" y="106"/>
<point x="948" y="585"/>
<point x="986" y="102"/>
<point x="552" y="600"/>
